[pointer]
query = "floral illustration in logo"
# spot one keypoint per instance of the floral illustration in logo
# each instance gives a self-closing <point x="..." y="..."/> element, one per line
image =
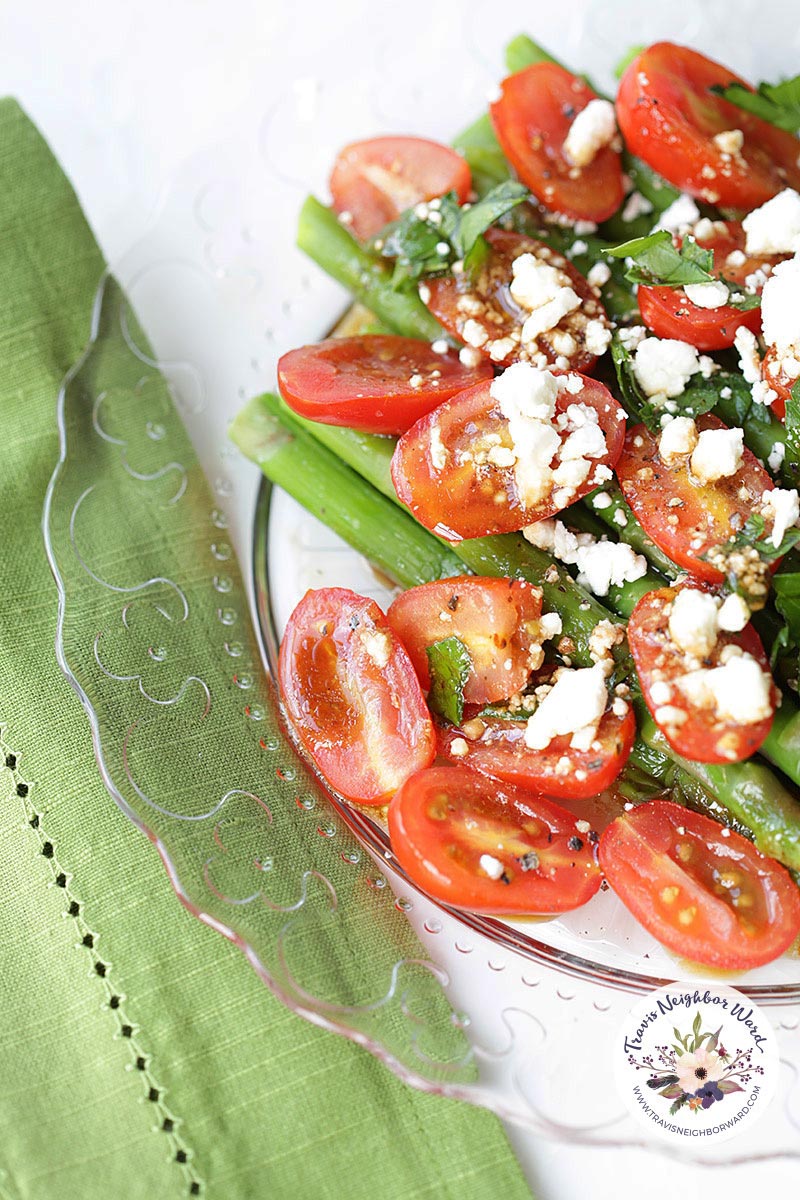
<point x="696" y="1071"/>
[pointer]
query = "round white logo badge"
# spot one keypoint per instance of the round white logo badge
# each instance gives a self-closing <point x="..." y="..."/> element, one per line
<point x="696" y="1061"/>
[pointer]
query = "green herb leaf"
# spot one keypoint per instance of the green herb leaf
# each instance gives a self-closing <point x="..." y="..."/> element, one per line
<point x="778" y="103"/>
<point x="449" y="664"/>
<point x="501" y="712"/>
<point x="656" y="260"/>
<point x="630" y="54"/>
<point x="431" y="243"/>
<point x="792" y="424"/>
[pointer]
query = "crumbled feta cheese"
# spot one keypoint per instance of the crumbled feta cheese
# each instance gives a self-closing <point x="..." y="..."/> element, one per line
<point x="730" y="141"/>
<point x="588" y="441"/>
<point x="717" y="455"/>
<point x="597" y="336"/>
<point x="693" y="621"/>
<point x="459" y="748"/>
<point x="548" y="315"/>
<point x="776" y="456"/>
<point x="736" y="258"/>
<point x="526" y="397"/>
<point x="424" y="291"/>
<point x="438" y="452"/>
<point x="602" y="640"/>
<point x="534" y="282"/>
<point x="474" y="334"/>
<point x="707" y="295"/>
<point x="440" y="346"/>
<point x="774" y="228"/>
<point x="663" y="366"/>
<point x="749" y="359"/>
<point x="574" y="705"/>
<point x="491" y="866"/>
<point x="599" y="274"/>
<point x="734" y="613"/>
<point x="468" y="356"/>
<point x="550" y="626"/>
<point x="678" y="439"/>
<point x="682" y="214"/>
<point x="602" y="500"/>
<point x="605" y="563"/>
<point x="660" y="693"/>
<point x="378" y="646"/>
<point x="632" y="336"/>
<point x="782" y="506"/>
<point x="739" y="691"/>
<point x="763" y="394"/>
<point x="594" y="127"/>
<point x="780" y="306"/>
<point x="635" y="206"/>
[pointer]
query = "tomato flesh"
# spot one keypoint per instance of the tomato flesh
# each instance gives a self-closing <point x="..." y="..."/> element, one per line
<point x="486" y="301"/>
<point x="443" y="822"/>
<point x="669" y="117"/>
<point x="700" y="735"/>
<point x="352" y="696"/>
<point x="496" y="619"/>
<point x="442" y="473"/>
<point x="531" y="119"/>
<point x="378" y="179"/>
<point x="702" y="516"/>
<point x="559" y="770"/>
<point x="669" y="312"/>
<point x="377" y="383"/>
<point x="711" y="898"/>
<point x="777" y="378"/>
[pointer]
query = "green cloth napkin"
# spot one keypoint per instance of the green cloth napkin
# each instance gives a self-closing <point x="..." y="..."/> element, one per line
<point x="140" y="1055"/>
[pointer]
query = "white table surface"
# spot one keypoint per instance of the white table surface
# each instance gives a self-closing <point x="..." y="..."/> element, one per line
<point x="192" y="130"/>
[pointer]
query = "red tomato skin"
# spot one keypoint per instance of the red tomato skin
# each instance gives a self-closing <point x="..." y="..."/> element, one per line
<point x="364" y="382"/>
<point x="378" y="179"/>
<point x="669" y="313"/>
<point x="531" y="120"/>
<point x="452" y="501"/>
<point x="365" y="725"/>
<point x="492" y="288"/>
<point x="669" y="117"/>
<point x="778" y="381"/>
<point x="646" y="496"/>
<point x="700" y="739"/>
<point x="568" y="878"/>
<point x="501" y="753"/>
<point x="638" y="853"/>
<point x="494" y="611"/>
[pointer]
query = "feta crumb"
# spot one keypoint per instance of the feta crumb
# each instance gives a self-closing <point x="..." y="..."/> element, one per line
<point x="739" y="691"/>
<point x="730" y="141"/>
<point x="440" y="346"/>
<point x="575" y="704"/>
<point x="660" y="693"/>
<point x="693" y="622"/>
<point x="599" y="274"/>
<point x="438" y="452"/>
<point x="734" y="613"/>
<point x="678" y="439"/>
<point x="378" y="646"/>
<point x="776" y="456"/>
<point x="774" y="228"/>
<point x="632" y="336"/>
<point x="745" y="342"/>
<point x="780" y="306"/>
<point x="663" y="366"/>
<point x="635" y="206"/>
<point x="474" y="334"/>
<point x="594" y="127"/>
<point x="526" y="397"/>
<point x="602" y="500"/>
<point x="491" y="866"/>
<point x="717" y="455"/>
<point x="782" y="506"/>
<point x="600" y="564"/>
<point x="597" y="336"/>
<point x="424" y="292"/>
<point x="681" y="215"/>
<point x="707" y="295"/>
<point x="468" y="356"/>
<point x="550" y="626"/>
<point x="621" y="518"/>
<point x="459" y="747"/>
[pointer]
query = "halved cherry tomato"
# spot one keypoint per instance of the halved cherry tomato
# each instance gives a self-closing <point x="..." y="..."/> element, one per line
<point x="378" y="179"/>
<point x="443" y="470"/>
<point x="698" y="734"/>
<point x="669" y="117"/>
<point x="706" y="896"/>
<point x="532" y="119"/>
<point x="500" y="751"/>
<point x="453" y="831"/>
<point x="775" y="375"/>
<point x="671" y="314"/>
<point x="487" y="303"/>
<point x="378" y="383"/>
<point x="352" y="696"/>
<point x="686" y="519"/>
<point x="496" y="619"/>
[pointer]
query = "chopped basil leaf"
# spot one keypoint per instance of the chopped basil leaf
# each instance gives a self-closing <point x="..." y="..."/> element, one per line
<point x="699" y="396"/>
<point x="787" y="601"/>
<point x="431" y="243"/>
<point x="657" y="262"/>
<point x="502" y="712"/>
<point x="778" y="103"/>
<point x="752" y="534"/>
<point x="792" y="424"/>
<point x="449" y="664"/>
